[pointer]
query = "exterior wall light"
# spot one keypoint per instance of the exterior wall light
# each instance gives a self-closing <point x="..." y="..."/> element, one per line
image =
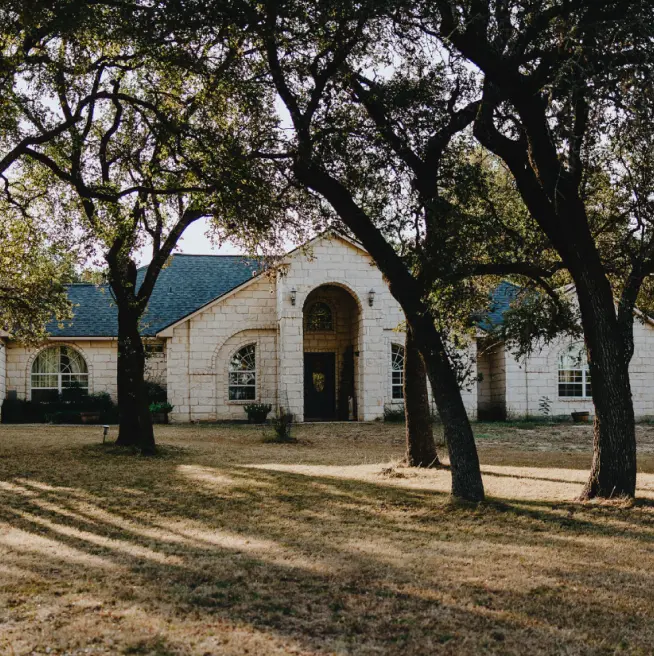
<point x="371" y="297"/>
<point x="293" y="295"/>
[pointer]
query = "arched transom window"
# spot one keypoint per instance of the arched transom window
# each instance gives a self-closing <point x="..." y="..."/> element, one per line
<point x="243" y="374"/>
<point x="55" y="369"/>
<point x="319" y="317"/>
<point x="397" y="371"/>
<point x="574" y="376"/>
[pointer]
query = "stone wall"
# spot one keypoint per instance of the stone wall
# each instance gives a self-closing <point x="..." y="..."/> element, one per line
<point x="199" y="351"/>
<point x="100" y="359"/>
<point x="262" y="312"/>
<point x="528" y="381"/>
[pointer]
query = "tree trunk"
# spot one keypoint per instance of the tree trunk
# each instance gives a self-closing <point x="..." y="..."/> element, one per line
<point x="420" y="446"/>
<point x="405" y="289"/>
<point x="135" y="421"/>
<point x="613" y="472"/>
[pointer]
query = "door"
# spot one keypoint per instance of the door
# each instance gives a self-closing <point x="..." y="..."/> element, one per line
<point x="319" y="386"/>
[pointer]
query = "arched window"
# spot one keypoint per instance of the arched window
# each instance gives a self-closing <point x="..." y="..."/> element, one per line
<point x="319" y="317"/>
<point x="574" y="376"/>
<point x="397" y="371"/>
<point x="55" y="369"/>
<point x="243" y="374"/>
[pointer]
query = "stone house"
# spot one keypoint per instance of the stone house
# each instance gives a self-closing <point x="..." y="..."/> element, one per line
<point x="319" y="334"/>
<point x="556" y="374"/>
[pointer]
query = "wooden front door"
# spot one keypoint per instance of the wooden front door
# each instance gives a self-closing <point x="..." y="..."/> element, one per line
<point x="319" y="386"/>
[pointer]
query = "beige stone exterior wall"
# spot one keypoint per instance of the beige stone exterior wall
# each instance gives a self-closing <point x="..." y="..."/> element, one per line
<point x="100" y="359"/>
<point x="491" y="389"/>
<point x="194" y="364"/>
<point x="527" y="381"/>
<point x="200" y="349"/>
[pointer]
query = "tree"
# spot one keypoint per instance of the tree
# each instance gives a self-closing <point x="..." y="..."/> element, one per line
<point x="33" y="271"/>
<point x="305" y="48"/>
<point x="158" y="146"/>
<point x="559" y="81"/>
<point x="420" y="446"/>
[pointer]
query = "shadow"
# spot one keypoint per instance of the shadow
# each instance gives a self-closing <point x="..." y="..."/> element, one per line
<point x="195" y="552"/>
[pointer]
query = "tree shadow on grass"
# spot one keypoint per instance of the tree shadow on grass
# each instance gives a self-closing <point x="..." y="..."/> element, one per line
<point x="175" y="560"/>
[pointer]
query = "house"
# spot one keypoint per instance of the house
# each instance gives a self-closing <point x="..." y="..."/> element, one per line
<point x="318" y="334"/>
<point x="555" y="375"/>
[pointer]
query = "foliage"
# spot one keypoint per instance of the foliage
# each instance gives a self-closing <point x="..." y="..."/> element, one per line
<point x="154" y="392"/>
<point x="281" y="424"/>
<point x="161" y="407"/>
<point x="394" y="414"/>
<point x="66" y="409"/>
<point x="257" y="412"/>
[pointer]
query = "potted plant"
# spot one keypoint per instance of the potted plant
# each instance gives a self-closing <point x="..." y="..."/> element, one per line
<point x="160" y="411"/>
<point x="257" y="412"/>
<point x="581" y="417"/>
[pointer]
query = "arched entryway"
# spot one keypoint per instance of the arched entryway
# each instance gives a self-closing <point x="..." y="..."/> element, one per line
<point x="331" y="329"/>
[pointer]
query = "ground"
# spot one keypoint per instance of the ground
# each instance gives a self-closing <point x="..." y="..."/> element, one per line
<point x="225" y="544"/>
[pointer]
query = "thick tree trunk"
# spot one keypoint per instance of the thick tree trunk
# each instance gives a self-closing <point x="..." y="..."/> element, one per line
<point x="464" y="462"/>
<point x="420" y="446"/>
<point x="613" y="472"/>
<point x="135" y="421"/>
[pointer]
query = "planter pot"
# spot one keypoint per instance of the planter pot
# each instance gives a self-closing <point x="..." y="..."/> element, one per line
<point x="90" y="417"/>
<point x="581" y="417"/>
<point x="257" y="419"/>
<point x="160" y="417"/>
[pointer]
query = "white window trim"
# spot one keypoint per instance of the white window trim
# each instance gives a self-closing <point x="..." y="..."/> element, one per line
<point x="584" y="383"/>
<point x="60" y="376"/>
<point x="255" y="371"/>
<point x="399" y="399"/>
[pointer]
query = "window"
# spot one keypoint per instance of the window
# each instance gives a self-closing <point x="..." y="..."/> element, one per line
<point x="574" y="376"/>
<point x="243" y="374"/>
<point x="319" y="317"/>
<point x="154" y="348"/>
<point x="55" y="369"/>
<point x="397" y="371"/>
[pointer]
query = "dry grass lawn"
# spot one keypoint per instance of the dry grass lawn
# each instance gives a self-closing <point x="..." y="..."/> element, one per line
<point x="224" y="544"/>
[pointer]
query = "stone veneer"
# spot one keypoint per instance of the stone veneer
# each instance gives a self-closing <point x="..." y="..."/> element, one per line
<point x="198" y="349"/>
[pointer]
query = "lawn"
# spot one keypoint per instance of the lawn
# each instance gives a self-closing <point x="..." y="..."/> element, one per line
<point x="224" y="544"/>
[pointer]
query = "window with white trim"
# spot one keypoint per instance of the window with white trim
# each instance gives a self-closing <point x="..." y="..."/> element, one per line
<point x="243" y="374"/>
<point x="56" y="368"/>
<point x="397" y="372"/>
<point x="574" y="375"/>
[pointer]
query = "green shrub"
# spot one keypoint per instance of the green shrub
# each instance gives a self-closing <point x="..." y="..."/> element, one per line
<point x="155" y="393"/>
<point x="394" y="414"/>
<point x="160" y="408"/>
<point x="66" y="409"/>
<point x="281" y="424"/>
<point x="257" y="412"/>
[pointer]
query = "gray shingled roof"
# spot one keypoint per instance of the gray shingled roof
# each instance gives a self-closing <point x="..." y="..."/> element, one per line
<point x="501" y="298"/>
<point x="184" y="286"/>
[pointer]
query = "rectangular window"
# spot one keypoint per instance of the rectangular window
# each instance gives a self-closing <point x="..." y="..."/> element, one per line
<point x="242" y="385"/>
<point x="575" y="383"/>
<point x="398" y="385"/>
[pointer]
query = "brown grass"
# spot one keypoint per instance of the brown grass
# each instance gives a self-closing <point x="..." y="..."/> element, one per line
<point x="226" y="545"/>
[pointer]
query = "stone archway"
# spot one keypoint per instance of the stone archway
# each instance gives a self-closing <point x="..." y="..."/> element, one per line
<point x="331" y="345"/>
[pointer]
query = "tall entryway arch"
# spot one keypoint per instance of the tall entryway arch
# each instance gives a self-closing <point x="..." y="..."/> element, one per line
<point x="331" y="329"/>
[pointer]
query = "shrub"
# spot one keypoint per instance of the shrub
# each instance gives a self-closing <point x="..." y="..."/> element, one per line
<point x="65" y="410"/>
<point x="155" y="393"/>
<point x="161" y="408"/>
<point x="281" y="425"/>
<point x="257" y="412"/>
<point x="394" y="414"/>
